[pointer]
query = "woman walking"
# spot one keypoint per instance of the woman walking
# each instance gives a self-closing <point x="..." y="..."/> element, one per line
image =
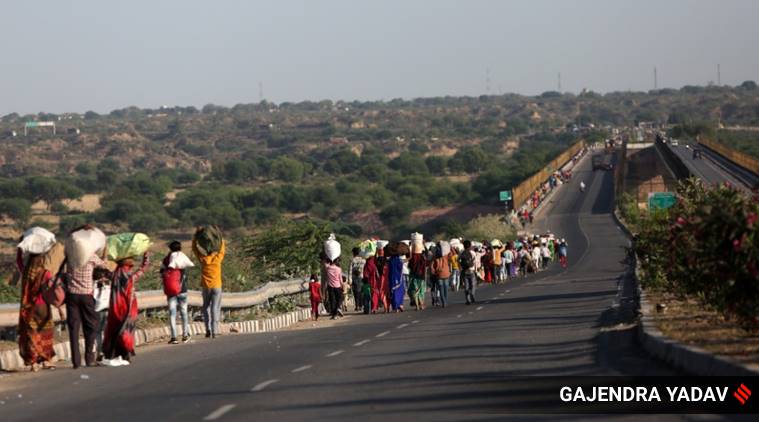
<point x="418" y="268"/>
<point x="118" y="345"/>
<point x="35" y="322"/>
<point x="397" y="286"/>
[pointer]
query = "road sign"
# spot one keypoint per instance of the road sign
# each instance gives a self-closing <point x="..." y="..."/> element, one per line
<point x="660" y="200"/>
<point x="505" y="195"/>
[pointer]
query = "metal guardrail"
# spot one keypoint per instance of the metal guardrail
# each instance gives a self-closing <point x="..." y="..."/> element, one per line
<point x="153" y="299"/>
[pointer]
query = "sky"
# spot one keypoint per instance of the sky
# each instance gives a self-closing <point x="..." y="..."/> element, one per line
<point x="73" y="56"/>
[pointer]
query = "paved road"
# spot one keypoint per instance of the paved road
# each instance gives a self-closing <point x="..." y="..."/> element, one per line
<point x="439" y="364"/>
<point x="707" y="168"/>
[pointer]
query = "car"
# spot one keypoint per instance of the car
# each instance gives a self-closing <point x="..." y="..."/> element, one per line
<point x="674" y="142"/>
<point x="696" y="153"/>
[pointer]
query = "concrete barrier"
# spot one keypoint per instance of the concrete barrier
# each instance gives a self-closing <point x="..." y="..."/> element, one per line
<point x="10" y="360"/>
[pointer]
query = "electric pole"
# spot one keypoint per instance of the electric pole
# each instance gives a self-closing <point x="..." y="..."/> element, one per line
<point x="656" y="81"/>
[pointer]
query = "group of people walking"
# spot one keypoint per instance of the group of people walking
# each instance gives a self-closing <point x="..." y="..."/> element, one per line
<point x="100" y="300"/>
<point x="382" y="273"/>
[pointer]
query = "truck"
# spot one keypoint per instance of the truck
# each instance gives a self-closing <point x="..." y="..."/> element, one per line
<point x="601" y="162"/>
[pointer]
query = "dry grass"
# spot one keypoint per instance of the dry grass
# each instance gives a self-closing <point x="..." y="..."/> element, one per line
<point x="686" y="321"/>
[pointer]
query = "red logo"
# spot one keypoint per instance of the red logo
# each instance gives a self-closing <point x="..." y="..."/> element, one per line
<point x="742" y="394"/>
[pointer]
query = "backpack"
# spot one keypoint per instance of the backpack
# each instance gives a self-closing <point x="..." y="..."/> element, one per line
<point x="172" y="279"/>
<point x="466" y="260"/>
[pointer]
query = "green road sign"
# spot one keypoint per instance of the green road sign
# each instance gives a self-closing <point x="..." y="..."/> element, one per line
<point x="505" y="195"/>
<point x="660" y="200"/>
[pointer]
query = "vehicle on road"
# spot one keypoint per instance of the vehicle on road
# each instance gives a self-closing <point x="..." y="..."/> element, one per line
<point x="696" y="153"/>
<point x="582" y="186"/>
<point x="601" y="162"/>
<point x="674" y="142"/>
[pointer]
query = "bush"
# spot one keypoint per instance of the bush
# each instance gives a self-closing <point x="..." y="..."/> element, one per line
<point x="706" y="246"/>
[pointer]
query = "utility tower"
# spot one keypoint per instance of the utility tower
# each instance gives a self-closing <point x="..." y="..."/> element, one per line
<point x="656" y="81"/>
<point x="719" y="76"/>
<point x="260" y="91"/>
<point x="487" y="80"/>
<point x="558" y="84"/>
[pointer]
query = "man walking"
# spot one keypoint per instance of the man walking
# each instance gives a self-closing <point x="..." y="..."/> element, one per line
<point x="467" y="261"/>
<point x="210" y="280"/>
<point x="80" y="310"/>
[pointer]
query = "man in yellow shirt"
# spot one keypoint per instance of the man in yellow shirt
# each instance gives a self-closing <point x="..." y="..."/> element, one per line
<point x="210" y="280"/>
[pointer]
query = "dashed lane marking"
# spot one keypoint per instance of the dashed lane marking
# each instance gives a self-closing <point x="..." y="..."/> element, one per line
<point x="402" y="326"/>
<point x="382" y="334"/>
<point x="335" y="353"/>
<point x="216" y="414"/>
<point x="261" y="386"/>
<point x="416" y="321"/>
<point x="479" y="308"/>
<point x="361" y="343"/>
<point x="459" y="315"/>
<point x="301" y="368"/>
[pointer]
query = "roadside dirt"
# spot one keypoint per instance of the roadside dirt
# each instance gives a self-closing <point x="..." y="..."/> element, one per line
<point x="686" y="321"/>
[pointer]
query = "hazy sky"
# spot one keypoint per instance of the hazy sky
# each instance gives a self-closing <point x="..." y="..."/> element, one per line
<point x="59" y="55"/>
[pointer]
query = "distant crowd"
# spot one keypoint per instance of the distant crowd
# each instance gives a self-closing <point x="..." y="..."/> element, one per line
<point x="382" y="273"/>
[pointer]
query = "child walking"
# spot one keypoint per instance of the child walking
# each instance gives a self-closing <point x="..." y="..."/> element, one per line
<point x="315" y="288"/>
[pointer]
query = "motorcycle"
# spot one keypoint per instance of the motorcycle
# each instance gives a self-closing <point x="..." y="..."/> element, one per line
<point x="582" y="187"/>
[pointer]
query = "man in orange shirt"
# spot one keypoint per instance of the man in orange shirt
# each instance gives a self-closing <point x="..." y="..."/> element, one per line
<point x="210" y="280"/>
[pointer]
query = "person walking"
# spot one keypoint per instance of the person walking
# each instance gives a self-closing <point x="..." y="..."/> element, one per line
<point x="455" y="269"/>
<point x="356" y="274"/>
<point x="315" y="293"/>
<point x="80" y="307"/>
<point x="418" y="268"/>
<point x="467" y="260"/>
<point x="102" y="279"/>
<point x="174" y="278"/>
<point x="441" y="273"/>
<point x="334" y="286"/>
<point x="563" y="253"/>
<point x="537" y="256"/>
<point x="118" y="344"/>
<point x="394" y="273"/>
<point x="508" y="261"/>
<point x="35" y="319"/>
<point x="210" y="280"/>
<point x="546" y="255"/>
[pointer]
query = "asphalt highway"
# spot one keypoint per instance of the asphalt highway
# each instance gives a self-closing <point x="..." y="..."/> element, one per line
<point x="711" y="168"/>
<point x="438" y="364"/>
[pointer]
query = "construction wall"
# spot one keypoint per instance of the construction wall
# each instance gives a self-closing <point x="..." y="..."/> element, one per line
<point x="743" y="160"/>
<point x="522" y="192"/>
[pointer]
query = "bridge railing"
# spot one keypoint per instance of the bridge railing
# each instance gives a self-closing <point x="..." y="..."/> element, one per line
<point x="521" y="193"/>
<point x="674" y="162"/>
<point x="737" y="157"/>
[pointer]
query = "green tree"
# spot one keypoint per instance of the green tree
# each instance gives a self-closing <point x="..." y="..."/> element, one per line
<point x="17" y="209"/>
<point x="287" y="169"/>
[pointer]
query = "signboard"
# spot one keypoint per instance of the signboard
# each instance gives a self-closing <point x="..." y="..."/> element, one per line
<point x="660" y="200"/>
<point x="505" y="196"/>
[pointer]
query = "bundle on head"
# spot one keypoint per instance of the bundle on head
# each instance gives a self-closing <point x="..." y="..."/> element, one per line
<point x="209" y="239"/>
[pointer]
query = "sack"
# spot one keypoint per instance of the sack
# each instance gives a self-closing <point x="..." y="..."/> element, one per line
<point x="456" y="244"/>
<point x="54" y="291"/>
<point x="82" y="245"/>
<point x="367" y="248"/>
<point x="37" y="240"/>
<point x="126" y="245"/>
<point x="466" y="260"/>
<point x="397" y="249"/>
<point x="417" y="243"/>
<point x="172" y="281"/>
<point x="54" y="258"/>
<point x="209" y="240"/>
<point x="444" y="248"/>
<point x="102" y="297"/>
<point x="332" y="248"/>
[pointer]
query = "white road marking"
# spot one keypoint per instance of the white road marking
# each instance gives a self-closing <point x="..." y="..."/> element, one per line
<point x="416" y="321"/>
<point x="382" y="334"/>
<point x="361" y="343"/>
<point x="470" y="312"/>
<point x="502" y="294"/>
<point x="216" y="414"/>
<point x="459" y="316"/>
<point x="402" y="326"/>
<point x="479" y="308"/>
<point x="261" y="386"/>
<point x="335" y="353"/>
<point x="301" y="368"/>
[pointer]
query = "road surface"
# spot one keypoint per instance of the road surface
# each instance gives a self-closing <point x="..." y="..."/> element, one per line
<point x="439" y="364"/>
<point x="711" y="168"/>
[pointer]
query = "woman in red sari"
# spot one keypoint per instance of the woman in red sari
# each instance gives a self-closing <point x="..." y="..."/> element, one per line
<point x="35" y="322"/>
<point x="118" y="344"/>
